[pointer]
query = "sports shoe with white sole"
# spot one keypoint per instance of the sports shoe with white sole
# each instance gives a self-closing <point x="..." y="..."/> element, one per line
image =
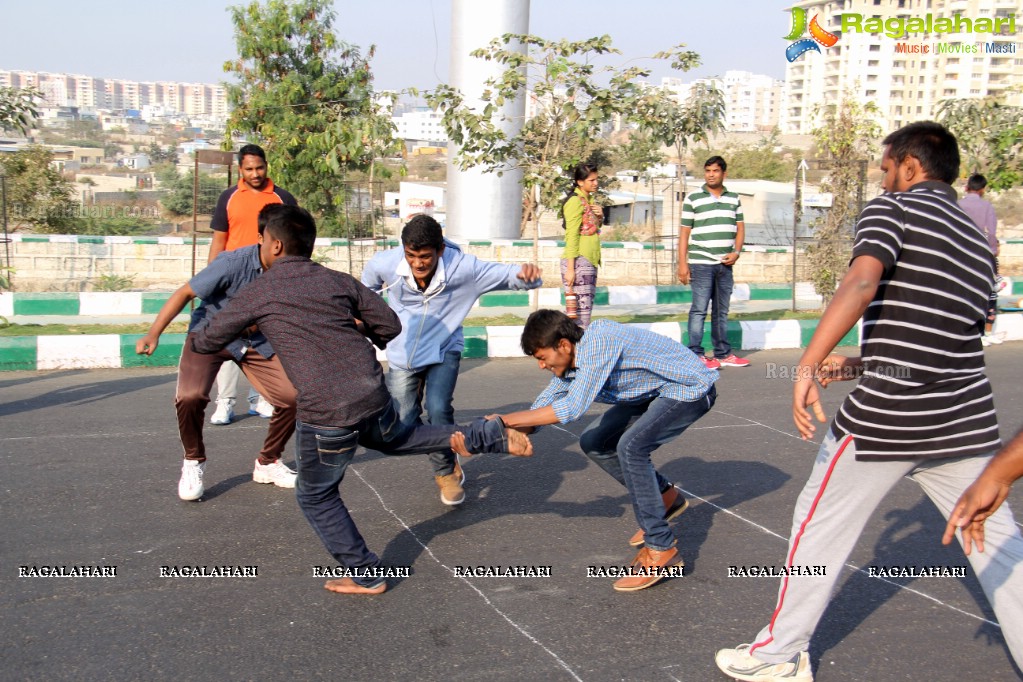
<point x="738" y="664"/>
<point x="451" y="491"/>
<point x="224" y="413"/>
<point x="276" y="473"/>
<point x="190" y="486"/>
<point x="259" y="406"/>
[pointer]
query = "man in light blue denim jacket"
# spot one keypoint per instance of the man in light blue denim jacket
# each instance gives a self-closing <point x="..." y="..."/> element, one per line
<point x="431" y="284"/>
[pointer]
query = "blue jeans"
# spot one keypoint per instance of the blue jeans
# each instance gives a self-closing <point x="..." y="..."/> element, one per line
<point x="623" y="451"/>
<point x="710" y="283"/>
<point x="432" y="388"/>
<point x="322" y="455"/>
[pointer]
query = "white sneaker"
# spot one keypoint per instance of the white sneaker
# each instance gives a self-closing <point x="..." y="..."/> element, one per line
<point x="259" y="405"/>
<point x="986" y="340"/>
<point x="276" y="473"/>
<point x="996" y="338"/>
<point x="190" y="486"/>
<point x="739" y="665"/>
<point x="224" y="412"/>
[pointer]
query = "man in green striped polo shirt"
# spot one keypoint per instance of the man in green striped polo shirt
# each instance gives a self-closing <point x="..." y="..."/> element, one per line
<point x="710" y="241"/>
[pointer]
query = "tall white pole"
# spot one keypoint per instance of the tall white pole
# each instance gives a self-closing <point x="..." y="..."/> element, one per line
<point x="484" y="205"/>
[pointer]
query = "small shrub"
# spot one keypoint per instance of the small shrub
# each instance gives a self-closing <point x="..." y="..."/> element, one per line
<point x="114" y="282"/>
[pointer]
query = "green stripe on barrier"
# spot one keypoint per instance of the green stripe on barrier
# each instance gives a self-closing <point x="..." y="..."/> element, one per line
<point x="733" y="335"/>
<point x="674" y="294"/>
<point x="152" y="302"/>
<point x="770" y="292"/>
<point x="475" y="342"/>
<point x="47" y="304"/>
<point x="18" y="352"/>
<point x="808" y="327"/>
<point x="600" y="297"/>
<point x="167" y="352"/>
<point x="504" y="298"/>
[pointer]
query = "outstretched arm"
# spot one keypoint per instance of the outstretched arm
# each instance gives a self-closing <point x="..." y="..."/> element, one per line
<point x="174" y="305"/>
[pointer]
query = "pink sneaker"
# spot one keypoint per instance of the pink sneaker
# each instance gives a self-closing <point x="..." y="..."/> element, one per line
<point x="710" y="363"/>
<point x="733" y="360"/>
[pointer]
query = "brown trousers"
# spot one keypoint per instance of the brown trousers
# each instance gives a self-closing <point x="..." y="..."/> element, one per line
<point x="196" y="374"/>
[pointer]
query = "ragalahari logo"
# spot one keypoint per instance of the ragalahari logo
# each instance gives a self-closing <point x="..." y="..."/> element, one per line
<point x="804" y="45"/>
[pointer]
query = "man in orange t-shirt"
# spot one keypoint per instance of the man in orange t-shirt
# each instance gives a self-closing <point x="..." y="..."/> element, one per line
<point x="234" y="225"/>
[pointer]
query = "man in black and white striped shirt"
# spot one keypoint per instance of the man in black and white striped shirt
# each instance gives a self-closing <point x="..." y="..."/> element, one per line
<point x="919" y="277"/>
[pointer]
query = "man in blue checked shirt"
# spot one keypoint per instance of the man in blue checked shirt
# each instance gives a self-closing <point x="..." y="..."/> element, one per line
<point x="657" y="389"/>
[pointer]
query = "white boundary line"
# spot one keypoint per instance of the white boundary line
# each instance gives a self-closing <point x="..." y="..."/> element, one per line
<point x="847" y="564"/>
<point x="468" y="582"/>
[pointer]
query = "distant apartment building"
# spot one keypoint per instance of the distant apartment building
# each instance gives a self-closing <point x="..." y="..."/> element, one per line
<point x="905" y="76"/>
<point x="87" y="92"/>
<point x="753" y="102"/>
<point x="421" y="125"/>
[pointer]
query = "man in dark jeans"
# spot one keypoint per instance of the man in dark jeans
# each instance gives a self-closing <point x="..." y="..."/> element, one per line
<point x="318" y="320"/>
<point x="711" y="238"/>
<point x="657" y="389"/>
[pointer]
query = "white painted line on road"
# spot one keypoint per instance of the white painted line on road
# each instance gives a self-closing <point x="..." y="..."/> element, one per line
<point x="848" y="564"/>
<point x="468" y="582"/>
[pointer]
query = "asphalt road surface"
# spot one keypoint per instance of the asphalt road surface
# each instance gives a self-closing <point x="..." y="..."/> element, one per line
<point x="89" y="462"/>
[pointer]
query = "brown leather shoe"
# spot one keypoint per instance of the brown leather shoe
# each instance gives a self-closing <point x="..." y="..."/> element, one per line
<point x="674" y="504"/>
<point x="650" y="567"/>
<point x="451" y="492"/>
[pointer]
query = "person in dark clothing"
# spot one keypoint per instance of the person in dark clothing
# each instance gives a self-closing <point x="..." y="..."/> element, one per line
<point x="318" y="321"/>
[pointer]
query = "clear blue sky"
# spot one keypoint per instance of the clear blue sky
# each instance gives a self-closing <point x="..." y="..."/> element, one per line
<point x="189" y="40"/>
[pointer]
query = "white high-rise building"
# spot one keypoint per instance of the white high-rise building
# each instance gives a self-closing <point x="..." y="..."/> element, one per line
<point x="906" y="85"/>
<point x="753" y="101"/>
<point x="423" y="124"/>
<point x="61" y="89"/>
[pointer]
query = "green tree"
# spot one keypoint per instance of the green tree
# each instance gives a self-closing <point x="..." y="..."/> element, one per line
<point x="677" y="124"/>
<point x="39" y="197"/>
<point x="179" y="198"/>
<point x="303" y="94"/>
<point x="990" y="135"/>
<point x="639" y="153"/>
<point x="764" y="160"/>
<point x="574" y="101"/>
<point x="18" y="109"/>
<point x="845" y="137"/>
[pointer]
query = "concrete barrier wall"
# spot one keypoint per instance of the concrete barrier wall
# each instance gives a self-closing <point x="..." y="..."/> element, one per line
<point x="78" y="263"/>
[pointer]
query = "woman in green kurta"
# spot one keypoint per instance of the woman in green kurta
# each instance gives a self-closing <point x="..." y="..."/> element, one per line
<point x="582" y="221"/>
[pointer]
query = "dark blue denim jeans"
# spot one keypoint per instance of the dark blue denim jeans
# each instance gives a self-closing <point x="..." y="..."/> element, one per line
<point x="431" y="388"/>
<point x="621" y="442"/>
<point x="323" y="454"/>
<point x="710" y="283"/>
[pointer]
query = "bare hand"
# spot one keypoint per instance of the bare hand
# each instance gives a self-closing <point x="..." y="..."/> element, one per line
<point x="457" y="444"/>
<point x="805" y="394"/>
<point x="570" y="277"/>
<point x="147" y="345"/>
<point x="976" y="504"/>
<point x="838" y="368"/>
<point x="729" y="258"/>
<point x="530" y="273"/>
<point x="683" y="273"/>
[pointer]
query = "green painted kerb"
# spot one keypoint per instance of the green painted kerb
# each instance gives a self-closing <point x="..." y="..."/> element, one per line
<point x="167" y="352"/>
<point x="770" y="292"/>
<point x="46" y="304"/>
<point x="152" y="302"/>
<point x="504" y="299"/>
<point x="475" y="342"/>
<point x="17" y="352"/>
